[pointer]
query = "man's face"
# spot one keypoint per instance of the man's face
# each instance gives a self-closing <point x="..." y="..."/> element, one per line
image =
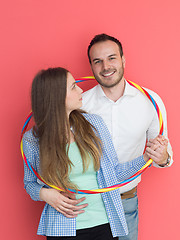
<point x="106" y="63"/>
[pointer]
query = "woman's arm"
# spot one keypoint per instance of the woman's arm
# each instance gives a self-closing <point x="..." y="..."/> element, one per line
<point x="62" y="202"/>
<point x="31" y="185"/>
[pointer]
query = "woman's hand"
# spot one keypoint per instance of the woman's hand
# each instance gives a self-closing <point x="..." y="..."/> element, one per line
<point x="65" y="203"/>
<point x="157" y="150"/>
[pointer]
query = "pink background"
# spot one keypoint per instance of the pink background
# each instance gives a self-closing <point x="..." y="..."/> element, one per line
<point x="40" y="34"/>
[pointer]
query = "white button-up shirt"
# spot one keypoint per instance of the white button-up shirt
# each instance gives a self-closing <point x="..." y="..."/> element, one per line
<point x="131" y="120"/>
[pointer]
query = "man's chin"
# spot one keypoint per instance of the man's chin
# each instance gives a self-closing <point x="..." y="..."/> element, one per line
<point x="108" y="83"/>
<point x="109" y="86"/>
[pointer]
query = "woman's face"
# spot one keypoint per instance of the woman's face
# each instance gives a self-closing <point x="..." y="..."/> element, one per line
<point x="73" y="95"/>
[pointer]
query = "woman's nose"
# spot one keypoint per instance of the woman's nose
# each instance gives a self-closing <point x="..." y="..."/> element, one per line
<point x="80" y="89"/>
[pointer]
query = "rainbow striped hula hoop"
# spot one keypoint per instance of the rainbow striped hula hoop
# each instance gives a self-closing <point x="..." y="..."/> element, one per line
<point x="107" y="189"/>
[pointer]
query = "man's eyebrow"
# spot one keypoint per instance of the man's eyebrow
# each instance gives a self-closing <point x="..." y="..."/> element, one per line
<point x="112" y="55"/>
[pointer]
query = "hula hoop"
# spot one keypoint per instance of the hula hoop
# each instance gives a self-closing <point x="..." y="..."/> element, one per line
<point x="107" y="189"/>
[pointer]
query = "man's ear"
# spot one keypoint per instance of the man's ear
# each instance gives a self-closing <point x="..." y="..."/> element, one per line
<point x="123" y="61"/>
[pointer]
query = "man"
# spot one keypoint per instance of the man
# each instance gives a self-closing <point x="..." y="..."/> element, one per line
<point x="129" y="115"/>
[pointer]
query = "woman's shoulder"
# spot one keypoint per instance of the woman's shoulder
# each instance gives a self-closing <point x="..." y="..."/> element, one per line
<point x="96" y="121"/>
<point x="93" y="118"/>
<point x="29" y="136"/>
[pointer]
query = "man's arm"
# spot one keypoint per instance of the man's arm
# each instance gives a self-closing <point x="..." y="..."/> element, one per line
<point x="165" y="152"/>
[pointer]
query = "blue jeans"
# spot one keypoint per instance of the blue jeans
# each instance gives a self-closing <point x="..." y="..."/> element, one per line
<point x="131" y="213"/>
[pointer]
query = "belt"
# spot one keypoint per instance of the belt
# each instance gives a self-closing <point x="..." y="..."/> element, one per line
<point x="129" y="194"/>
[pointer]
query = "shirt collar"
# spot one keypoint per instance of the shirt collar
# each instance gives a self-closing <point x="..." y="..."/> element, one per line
<point x="128" y="91"/>
<point x="100" y="92"/>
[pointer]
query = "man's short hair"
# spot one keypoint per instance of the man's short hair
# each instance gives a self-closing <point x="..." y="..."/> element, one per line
<point x="102" y="38"/>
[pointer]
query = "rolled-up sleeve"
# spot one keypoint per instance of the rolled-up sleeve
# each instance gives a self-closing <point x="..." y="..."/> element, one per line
<point x="31" y="185"/>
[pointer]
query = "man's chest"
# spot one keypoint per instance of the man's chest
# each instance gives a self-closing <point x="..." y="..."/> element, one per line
<point x="128" y="118"/>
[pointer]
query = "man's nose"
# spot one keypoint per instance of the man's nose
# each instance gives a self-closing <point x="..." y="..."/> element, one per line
<point x="106" y="65"/>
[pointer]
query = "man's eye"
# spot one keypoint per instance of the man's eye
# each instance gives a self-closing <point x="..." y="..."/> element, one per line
<point x="111" y="58"/>
<point x="98" y="61"/>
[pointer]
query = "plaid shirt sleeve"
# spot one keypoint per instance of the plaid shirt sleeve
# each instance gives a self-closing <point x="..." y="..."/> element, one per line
<point x="31" y="151"/>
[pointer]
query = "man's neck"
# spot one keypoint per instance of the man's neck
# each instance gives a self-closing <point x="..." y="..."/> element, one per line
<point x="114" y="93"/>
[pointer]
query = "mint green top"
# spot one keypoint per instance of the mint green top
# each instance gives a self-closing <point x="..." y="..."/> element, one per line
<point x="95" y="212"/>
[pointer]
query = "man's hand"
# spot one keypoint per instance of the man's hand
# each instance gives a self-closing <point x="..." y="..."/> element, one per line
<point x="65" y="203"/>
<point x="157" y="150"/>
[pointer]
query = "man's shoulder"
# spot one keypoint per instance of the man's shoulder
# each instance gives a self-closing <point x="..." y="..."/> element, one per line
<point x="151" y="92"/>
<point x="154" y="95"/>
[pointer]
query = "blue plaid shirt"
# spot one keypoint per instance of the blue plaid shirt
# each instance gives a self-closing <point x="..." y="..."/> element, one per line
<point x="52" y="222"/>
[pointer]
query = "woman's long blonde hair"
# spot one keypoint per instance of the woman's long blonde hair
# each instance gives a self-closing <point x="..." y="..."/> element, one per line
<point x="52" y="127"/>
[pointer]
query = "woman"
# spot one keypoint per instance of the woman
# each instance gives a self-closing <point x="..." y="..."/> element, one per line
<point x="72" y="150"/>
